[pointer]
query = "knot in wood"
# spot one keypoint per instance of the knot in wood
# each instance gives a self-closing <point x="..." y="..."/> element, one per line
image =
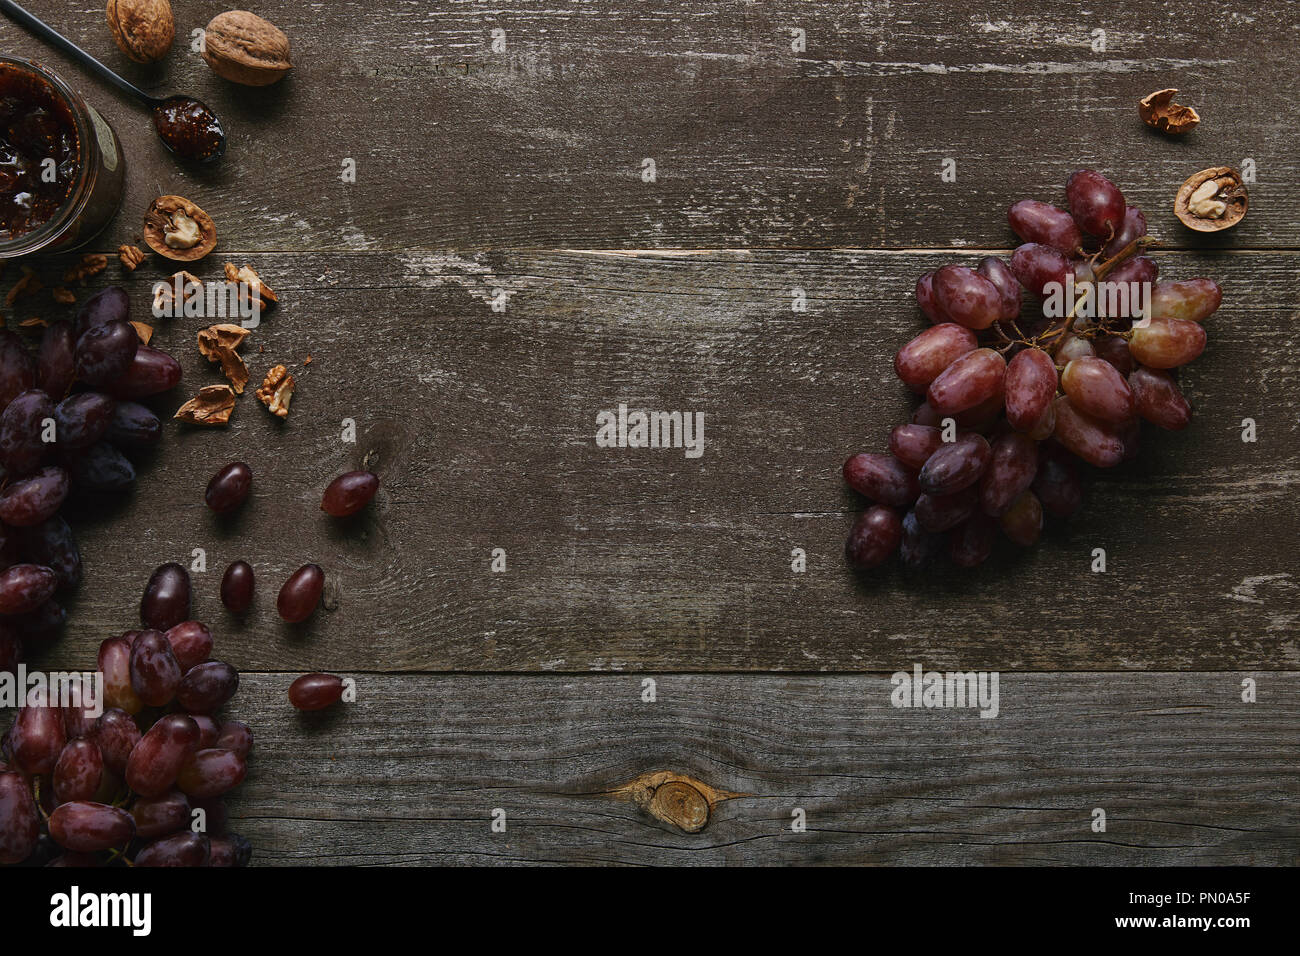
<point x="680" y="804"/>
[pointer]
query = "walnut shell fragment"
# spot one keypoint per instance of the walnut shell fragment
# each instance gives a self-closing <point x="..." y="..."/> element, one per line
<point x="1159" y="110"/>
<point x="211" y="407"/>
<point x="176" y="228"/>
<point x="277" y="391"/>
<point x="1212" y="200"/>
<point x="164" y="293"/>
<point x="143" y="332"/>
<point x="218" y="343"/>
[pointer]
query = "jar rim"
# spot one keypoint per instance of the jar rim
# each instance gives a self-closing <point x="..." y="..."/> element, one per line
<point x="78" y="195"/>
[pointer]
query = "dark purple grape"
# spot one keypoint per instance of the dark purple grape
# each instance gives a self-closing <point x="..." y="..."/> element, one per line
<point x="116" y="734"/>
<point x="107" y="305"/>
<point x="157" y="758"/>
<point x="17" y="367"/>
<point x="956" y="465"/>
<point x="151" y="373"/>
<point x="53" y="544"/>
<point x="210" y="773"/>
<point x="102" y="468"/>
<point x="1093" y="440"/>
<point x="105" y="352"/>
<point x="1030" y="384"/>
<point x="167" y="596"/>
<point x="917" y="547"/>
<point x="1158" y="398"/>
<point x="81" y="420"/>
<point x="318" y="691"/>
<point x="1005" y="281"/>
<point x="25" y="587"/>
<point x="179" y="849"/>
<point x="37" y="736"/>
<point x="34" y="499"/>
<point x="874" y="537"/>
<point x="228" y="851"/>
<point x="881" y="478"/>
<point x="237" y="736"/>
<point x="936" y="513"/>
<point x="209" y="730"/>
<point x="207" y="686"/>
<point x="78" y="772"/>
<point x="1040" y="222"/>
<point x="967" y="297"/>
<point x="22" y="430"/>
<point x="155" y="673"/>
<point x="300" y="594"/>
<point x="20" y="823"/>
<point x="1114" y="349"/>
<point x="1134" y="227"/>
<point x="56" y="362"/>
<point x="1010" y="472"/>
<point x="1096" y="203"/>
<point x="349" y="493"/>
<point x="115" y="665"/>
<point x="134" y="426"/>
<point x="914" y="444"/>
<point x="237" y="586"/>
<point x="229" y="487"/>
<point x="191" y="642"/>
<point x="970" y="544"/>
<point x="161" y="815"/>
<point x="87" y="827"/>
<point x="1023" y="521"/>
<point x="1057" y="483"/>
<point x="1038" y="266"/>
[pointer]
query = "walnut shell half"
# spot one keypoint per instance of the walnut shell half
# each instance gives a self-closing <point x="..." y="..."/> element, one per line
<point x="1159" y="110"/>
<point x="1212" y="200"/>
<point x="143" y="29"/>
<point x="176" y="228"/>
<point x="243" y="48"/>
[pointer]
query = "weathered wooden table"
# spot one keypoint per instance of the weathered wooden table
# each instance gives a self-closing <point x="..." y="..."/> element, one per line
<point x="501" y="271"/>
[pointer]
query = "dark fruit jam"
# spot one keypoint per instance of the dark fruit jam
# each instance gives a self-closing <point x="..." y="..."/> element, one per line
<point x="36" y="127"/>
<point x="188" y="127"/>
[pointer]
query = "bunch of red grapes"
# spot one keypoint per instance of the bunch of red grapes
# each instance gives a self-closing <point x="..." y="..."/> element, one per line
<point x="125" y="787"/>
<point x="1014" y="397"/>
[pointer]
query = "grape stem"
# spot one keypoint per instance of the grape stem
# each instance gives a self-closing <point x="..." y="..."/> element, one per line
<point x="1057" y="335"/>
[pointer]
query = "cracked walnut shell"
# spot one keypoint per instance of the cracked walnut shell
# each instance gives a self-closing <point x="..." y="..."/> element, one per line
<point x="276" y="391"/>
<point x="212" y="406"/>
<point x="176" y="228"/>
<point x="217" y="343"/>
<point x="1159" y="110"/>
<point x="1212" y="200"/>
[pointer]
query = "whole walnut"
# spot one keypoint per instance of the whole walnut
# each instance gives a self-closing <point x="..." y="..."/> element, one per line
<point x="243" y="48"/>
<point x="144" y="29"/>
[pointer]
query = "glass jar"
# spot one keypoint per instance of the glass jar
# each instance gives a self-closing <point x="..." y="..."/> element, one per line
<point x="81" y="167"/>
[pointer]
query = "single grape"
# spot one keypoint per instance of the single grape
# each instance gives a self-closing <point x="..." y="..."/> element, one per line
<point x="881" y="478"/>
<point x="151" y="373"/>
<point x="179" y="849"/>
<point x="102" y="468"/>
<point x="301" y="593"/>
<point x="917" y="547"/>
<point x="37" y="736"/>
<point x="105" y="352"/>
<point x="914" y="444"/>
<point x="83" y="419"/>
<point x="167" y="596"/>
<point x="237" y="586"/>
<point x="22" y="424"/>
<point x="207" y="686"/>
<point x="1011" y="470"/>
<point x="56" y="362"/>
<point x="920" y="361"/>
<point x="1123" y="291"/>
<point x="229" y="487"/>
<point x="53" y="545"/>
<point x="1005" y="281"/>
<point x="974" y="378"/>
<point x="1094" y="441"/>
<point x="1193" y="300"/>
<point x="1043" y="223"/>
<point x="87" y="827"/>
<point x="108" y="305"/>
<point x="1164" y="343"/>
<point x="157" y="758"/>
<point x="134" y="426"/>
<point x="1096" y="203"/>
<point x="971" y="543"/>
<point x="1114" y="349"/>
<point x="161" y="815"/>
<point x="349" y="493"/>
<point x="116" y="735"/>
<point x="191" y="642"/>
<point x="936" y="513"/>
<point x="78" y="772"/>
<point x="20" y="823"/>
<point x="1097" y="388"/>
<point x="17" y="367"/>
<point x="25" y="587"/>
<point x="210" y="773"/>
<point x="1073" y="347"/>
<point x="228" y="851"/>
<point x="1158" y="398"/>
<point x="873" y="538"/>
<point x="32" y="500"/>
<point x="967" y="297"/>
<point x="1134" y="227"/>
<point x="956" y="465"/>
<point x="236" y="736"/>
<point x="155" y="672"/>
<point x="1038" y="266"/>
<point x="925" y="299"/>
<point x="115" y="665"/>
<point x="1022" y="522"/>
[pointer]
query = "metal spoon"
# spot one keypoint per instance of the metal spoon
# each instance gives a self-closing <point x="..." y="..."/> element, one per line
<point x="186" y="126"/>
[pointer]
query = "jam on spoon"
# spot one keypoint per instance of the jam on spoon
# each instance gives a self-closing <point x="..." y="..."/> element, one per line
<point x="189" y="128"/>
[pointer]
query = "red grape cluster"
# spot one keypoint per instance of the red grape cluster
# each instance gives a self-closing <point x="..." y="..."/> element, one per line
<point x="1013" y="399"/>
<point x="80" y="790"/>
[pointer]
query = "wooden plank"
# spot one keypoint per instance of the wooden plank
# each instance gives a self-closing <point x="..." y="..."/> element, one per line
<point x="411" y="774"/>
<point x="542" y="145"/>
<point x="482" y="424"/>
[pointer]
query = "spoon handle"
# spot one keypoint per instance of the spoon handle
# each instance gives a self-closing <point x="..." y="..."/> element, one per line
<point x="53" y="37"/>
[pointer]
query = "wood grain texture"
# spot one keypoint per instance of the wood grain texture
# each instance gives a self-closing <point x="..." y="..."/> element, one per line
<point x="482" y="425"/>
<point x="755" y="145"/>
<point x="412" y="772"/>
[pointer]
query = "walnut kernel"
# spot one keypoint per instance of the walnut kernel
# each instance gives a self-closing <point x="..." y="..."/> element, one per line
<point x="131" y="257"/>
<point x="277" y="390"/>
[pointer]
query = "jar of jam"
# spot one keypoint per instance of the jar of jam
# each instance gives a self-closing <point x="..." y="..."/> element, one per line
<point x="61" y="166"/>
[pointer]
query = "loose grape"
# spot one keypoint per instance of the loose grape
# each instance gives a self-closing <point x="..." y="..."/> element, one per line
<point x="237" y="586"/>
<point x="349" y="493"/>
<point x="167" y="596"/>
<point x="874" y="537"/>
<point x="301" y="593"/>
<point x="229" y="487"/>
